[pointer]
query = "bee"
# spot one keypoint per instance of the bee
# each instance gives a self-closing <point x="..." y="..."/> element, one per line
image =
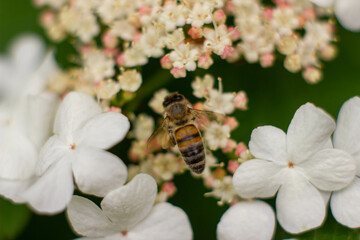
<point x="179" y="127"/>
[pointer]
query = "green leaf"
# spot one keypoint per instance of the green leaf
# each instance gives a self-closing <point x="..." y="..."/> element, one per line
<point x="13" y="219"/>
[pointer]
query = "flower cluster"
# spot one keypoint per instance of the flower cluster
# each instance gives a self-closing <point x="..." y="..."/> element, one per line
<point x="186" y="35"/>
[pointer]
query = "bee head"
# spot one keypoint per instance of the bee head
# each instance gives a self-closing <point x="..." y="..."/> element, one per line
<point x="174" y="97"/>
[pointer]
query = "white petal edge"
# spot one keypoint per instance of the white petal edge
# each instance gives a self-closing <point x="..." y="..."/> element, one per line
<point x="128" y="205"/>
<point x="87" y="219"/>
<point x="164" y="222"/>
<point x="13" y="189"/>
<point x="299" y="205"/>
<point x="52" y="192"/>
<point x="104" y="130"/>
<point x="348" y="12"/>
<point x="323" y="3"/>
<point x="330" y="169"/>
<point x="347" y="132"/>
<point x="257" y="178"/>
<point x="345" y="205"/>
<point x="269" y="143"/>
<point x="73" y="112"/>
<point x="309" y="131"/>
<point x="97" y="172"/>
<point x="247" y="221"/>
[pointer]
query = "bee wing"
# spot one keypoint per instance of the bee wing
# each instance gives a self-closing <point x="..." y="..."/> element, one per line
<point x="203" y="117"/>
<point x="162" y="134"/>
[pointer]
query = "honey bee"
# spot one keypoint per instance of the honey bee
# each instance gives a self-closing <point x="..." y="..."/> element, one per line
<point x="179" y="128"/>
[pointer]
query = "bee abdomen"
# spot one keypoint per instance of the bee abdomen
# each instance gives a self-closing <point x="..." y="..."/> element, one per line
<point x="191" y="147"/>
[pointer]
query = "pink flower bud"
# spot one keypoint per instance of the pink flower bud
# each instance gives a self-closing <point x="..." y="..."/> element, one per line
<point x="205" y="61"/>
<point x="268" y="14"/>
<point x="231" y="122"/>
<point x="195" y="33"/>
<point x="219" y="16"/>
<point x="199" y="106"/>
<point x="137" y="37"/>
<point x="280" y="2"/>
<point x="209" y="181"/>
<point x="115" y="109"/>
<point x="234" y="33"/>
<point x="267" y="60"/>
<point x="229" y="147"/>
<point x="166" y="62"/>
<point x="232" y="166"/>
<point x="240" y="150"/>
<point x="228" y="50"/>
<point x="309" y="14"/>
<point x="241" y="100"/>
<point x="109" y="40"/>
<point x="169" y="188"/>
<point x="145" y="10"/>
<point x="229" y="7"/>
<point x="178" y="72"/>
<point x="120" y="59"/>
<point x="47" y="18"/>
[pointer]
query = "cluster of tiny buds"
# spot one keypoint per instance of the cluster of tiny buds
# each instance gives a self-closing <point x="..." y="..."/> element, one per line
<point x="147" y="156"/>
<point x="184" y="35"/>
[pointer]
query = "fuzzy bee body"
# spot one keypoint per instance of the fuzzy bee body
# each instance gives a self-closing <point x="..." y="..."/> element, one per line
<point x="179" y="128"/>
<point x="191" y="147"/>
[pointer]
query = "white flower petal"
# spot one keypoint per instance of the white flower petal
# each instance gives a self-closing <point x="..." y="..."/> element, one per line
<point x="323" y="3"/>
<point x="348" y="12"/>
<point x="41" y="114"/>
<point x="300" y="206"/>
<point x="53" y="151"/>
<point x="347" y="132"/>
<point x="98" y="172"/>
<point x="87" y="219"/>
<point x="13" y="189"/>
<point x="345" y="205"/>
<point x="27" y="52"/>
<point x="164" y="222"/>
<point x="52" y="192"/>
<point x="330" y="169"/>
<point x="128" y="205"/>
<point x="18" y="155"/>
<point x="104" y="131"/>
<point x="269" y="143"/>
<point x="257" y="178"/>
<point x="247" y="221"/>
<point x="309" y="131"/>
<point x="73" y="112"/>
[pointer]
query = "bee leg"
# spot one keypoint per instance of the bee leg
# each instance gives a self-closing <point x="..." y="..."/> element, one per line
<point x="171" y="134"/>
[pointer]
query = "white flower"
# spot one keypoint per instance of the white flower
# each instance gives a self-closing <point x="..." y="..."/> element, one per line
<point x="217" y="39"/>
<point x="247" y="221"/>
<point x="217" y="135"/>
<point x="298" y="164"/>
<point x="107" y="89"/>
<point x="202" y="86"/>
<point x="345" y="203"/>
<point x="143" y="127"/>
<point x="130" y="80"/>
<point x="184" y="55"/>
<point x="76" y="152"/>
<point x="128" y="213"/>
<point x="220" y="102"/>
<point x="27" y="112"/>
<point x="346" y="11"/>
<point x="97" y="66"/>
<point x="200" y="14"/>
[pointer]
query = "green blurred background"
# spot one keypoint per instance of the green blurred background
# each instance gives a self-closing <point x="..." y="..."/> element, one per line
<point x="274" y="95"/>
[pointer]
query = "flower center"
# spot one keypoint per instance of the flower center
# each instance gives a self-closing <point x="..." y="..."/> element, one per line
<point x="291" y="165"/>
<point x="72" y="146"/>
<point x="124" y="233"/>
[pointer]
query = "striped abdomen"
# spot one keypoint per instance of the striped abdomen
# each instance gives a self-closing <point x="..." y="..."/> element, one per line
<point x="191" y="147"/>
